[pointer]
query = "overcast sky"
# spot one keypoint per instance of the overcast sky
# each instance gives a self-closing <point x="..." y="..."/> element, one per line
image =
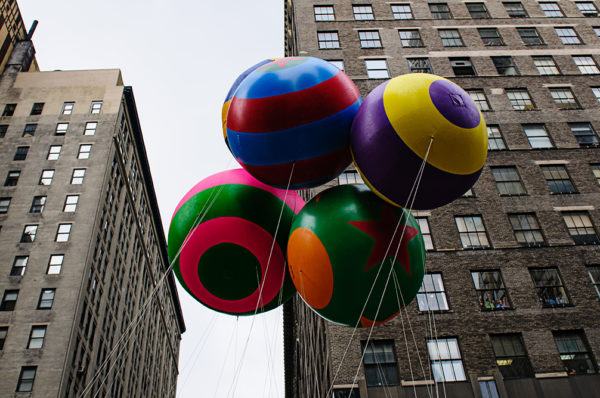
<point x="181" y="57"/>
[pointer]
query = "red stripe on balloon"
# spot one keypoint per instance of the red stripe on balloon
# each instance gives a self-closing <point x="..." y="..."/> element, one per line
<point x="331" y="163"/>
<point x="258" y="115"/>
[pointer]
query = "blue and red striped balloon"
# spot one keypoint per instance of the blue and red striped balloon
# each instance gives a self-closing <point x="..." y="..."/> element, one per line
<point x="289" y="122"/>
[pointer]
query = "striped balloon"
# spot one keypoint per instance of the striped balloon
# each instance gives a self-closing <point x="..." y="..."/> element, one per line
<point x="410" y="118"/>
<point x="224" y="245"/>
<point x="292" y="117"/>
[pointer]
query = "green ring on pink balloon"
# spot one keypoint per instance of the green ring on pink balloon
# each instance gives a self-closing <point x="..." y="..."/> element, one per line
<point x="245" y="234"/>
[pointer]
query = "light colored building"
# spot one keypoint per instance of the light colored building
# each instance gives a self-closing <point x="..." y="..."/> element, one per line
<point x="525" y="237"/>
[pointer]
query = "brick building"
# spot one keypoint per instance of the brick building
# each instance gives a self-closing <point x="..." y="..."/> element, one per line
<point x="510" y="302"/>
<point x="82" y="247"/>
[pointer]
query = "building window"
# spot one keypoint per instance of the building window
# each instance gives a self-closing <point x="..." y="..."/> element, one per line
<point x="96" y="107"/>
<point x="495" y="139"/>
<point x="574" y="352"/>
<point x="450" y="38"/>
<point x="46" y="177"/>
<point x="587" y="8"/>
<point x="440" y="11"/>
<point x="446" y="362"/>
<point x="377" y="68"/>
<point x="511" y="357"/>
<point x="21" y="153"/>
<point x="515" y="9"/>
<point x="490" y="289"/>
<point x="432" y="294"/>
<point x="55" y="264"/>
<point x="26" y="378"/>
<point x="568" y="35"/>
<point x="549" y="287"/>
<point x="491" y="37"/>
<point x="584" y="134"/>
<point x="545" y="65"/>
<point x="580" y="228"/>
<point x="345" y="392"/>
<point x="3" y="334"/>
<point x="587" y="64"/>
<point x="402" y="11"/>
<point x="552" y="9"/>
<point x="90" y="128"/>
<point x="37" y="205"/>
<point x="508" y="181"/>
<point x="29" y="233"/>
<point x="558" y="179"/>
<point x="564" y="98"/>
<point x="328" y="40"/>
<point x="338" y="63"/>
<point x="78" y="176"/>
<point x="37" y="108"/>
<point x="36" y="337"/>
<point x="594" y="273"/>
<point x="520" y="99"/>
<point x="350" y="177"/>
<point x="46" y="299"/>
<point x="537" y="136"/>
<point x="595" y="171"/>
<point x="324" y="13"/>
<point x="472" y="232"/>
<point x="478" y="96"/>
<point x="29" y="130"/>
<point x="19" y="266"/>
<point x="9" y="300"/>
<point x="462" y="67"/>
<point x="84" y="151"/>
<point x="530" y="36"/>
<point x="3" y="130"/>
<point x="67" y="108"/>
<point x="381" y="368"/>
<point x="4" y="205"/>
<point x="478" y="10"/>
<point x="369" y="39"/>
<point x="363" y="12"/>
<point x="425" y="232"/>
<point x="505" y="66"/>
<point x="54" y="152"/>
<point x="61" y="128"/>
<point x="597" y="30"/>
<point x="71" y="203"/>
<point x="12" y="178"/>
<point x="527" y="229"/>
<point x="9" y="110"/>
<point x="410" y="38"/>
<point x="596" y="92"/>
<point x="419" y="65"/>
<point x="63" y="232"/>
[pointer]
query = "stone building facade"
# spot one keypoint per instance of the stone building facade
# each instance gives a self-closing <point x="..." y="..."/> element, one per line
<point x="87" y="298"/>
<point x="510" y="302"/>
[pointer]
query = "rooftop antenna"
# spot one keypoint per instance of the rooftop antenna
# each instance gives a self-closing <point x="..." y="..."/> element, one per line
<point x="31" y="30"/>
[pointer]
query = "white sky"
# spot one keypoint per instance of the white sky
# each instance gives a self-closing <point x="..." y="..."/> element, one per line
<point x="181" y="57"/>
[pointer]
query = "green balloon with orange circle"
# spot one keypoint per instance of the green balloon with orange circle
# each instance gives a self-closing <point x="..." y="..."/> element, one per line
<point x="355" y="259"/>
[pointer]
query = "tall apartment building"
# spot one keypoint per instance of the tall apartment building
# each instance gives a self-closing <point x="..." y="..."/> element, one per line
<point x="82" y="248"/>
<point x="12" y="30"/>
<point x="510" y="301"/>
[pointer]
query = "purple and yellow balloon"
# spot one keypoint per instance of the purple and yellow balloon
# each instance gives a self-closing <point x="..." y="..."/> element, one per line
<point x="228" y="238"/>
<point x="234" y="87"/>
<point x="413" y="120"/>
<point x="289" y="122"/>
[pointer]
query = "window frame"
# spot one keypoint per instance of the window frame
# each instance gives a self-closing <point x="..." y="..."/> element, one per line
<point x="396" y="14"/>
<point x="425" y="232"/>
<point x="361" y="15"/>
<point x="490" y="40"/>
<point x="442" y="12"/>
<point x="45" y="179"/>
<point x="527" y="230"/>
<point x="505" y="65"/>
<point x="369" y="39"/>
<point x="552" y="13"/>
<point x="492" y="137"/>
<point x="491" y="298"/>
<point x="550" y="300"/>
<point x="78" y="176"/>
<point x="549" y="67"/>
<point x="385" y="369"/>
<point x="374" y="73"/>
<point x="558" y="179"/>
<point x="54" y="155"/>
<point x="568" y="35"/>
<point x="29" y="130"/>
<point x="328" y="40"/>
<point x="583" y="223"/>
<point x="84" y="154"/>
<point x="508" y="181"/>
<point x="530" y="39"/>
<point x="344" y="179"/>
<point x="324" y="16"/>
<point x="46" y="303"/>
<point x="70" y="203"/>
<point x="506" y="362"/>
<point x="538" y="141"/>
<point x="587" y="68"/>
<point x="472" y="13"/>
<point x="19" y="266"/>
<point x="440" y="374"/>
<point x="21" y="153"/>
<point x="38" y="203"/>
<point x="480" y="98"/>
<point x="54" y="265"/>
<point x="5" y="204"/>
<point x="467" y="234"/>
<point x="590" y="12"/>
<point x="426" y="69"/>
<point x="25" y="383"/>
<point x="454" y="41"/>
<point x="520" y="99"/>
<point x="61" y="234"/>
<point x="589" y="139"/>
<point x="9" y="304"/>
<point x="67" y="108"/>
<point x="29" y="233"/>
<point x="90" y="128"/>
<point x="36" y="109"/>
<point x="37" y="340"/>
<point x="96" y="107"/>
<point x="518" y="12"/>
<point x="407" y="42"/>
<point x="431" y="296"/>
<point x="571" y="355"/>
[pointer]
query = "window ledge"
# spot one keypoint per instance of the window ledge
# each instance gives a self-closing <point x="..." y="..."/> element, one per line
<point x="550" y="375"/>
<point x="417" y="383"/>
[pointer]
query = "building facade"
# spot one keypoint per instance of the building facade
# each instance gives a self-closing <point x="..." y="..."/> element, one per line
<point x="510" y="301"/>
<point x="87" y="296"/>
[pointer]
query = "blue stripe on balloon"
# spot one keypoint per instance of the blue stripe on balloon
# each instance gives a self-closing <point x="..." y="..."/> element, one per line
<point x="288" y="80"/>
<point x="244" y="74"/>
<point x="297" y="143"/>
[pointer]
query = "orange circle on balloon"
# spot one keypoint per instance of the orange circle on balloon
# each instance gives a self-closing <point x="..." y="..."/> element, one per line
<point x="310" y="268"/>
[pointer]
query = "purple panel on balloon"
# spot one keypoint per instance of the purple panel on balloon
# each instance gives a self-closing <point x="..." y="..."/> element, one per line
<point x="454" y="104"/>
<point x="391" y="167"/>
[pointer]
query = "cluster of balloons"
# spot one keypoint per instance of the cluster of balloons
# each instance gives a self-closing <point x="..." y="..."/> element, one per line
<point x="243" y="241"/>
